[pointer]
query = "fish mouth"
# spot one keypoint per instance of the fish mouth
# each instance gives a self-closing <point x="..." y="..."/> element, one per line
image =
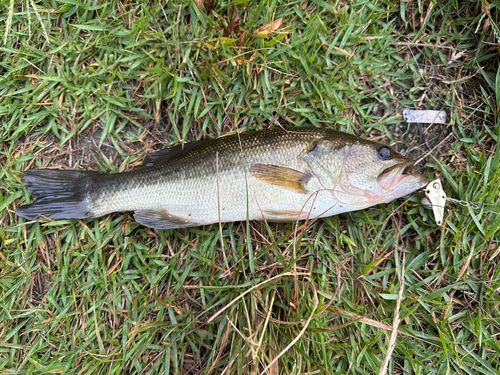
<point x="399" y="177"/>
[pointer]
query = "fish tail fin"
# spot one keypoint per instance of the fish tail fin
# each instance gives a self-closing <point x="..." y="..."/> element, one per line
<point x="59" y="194"/>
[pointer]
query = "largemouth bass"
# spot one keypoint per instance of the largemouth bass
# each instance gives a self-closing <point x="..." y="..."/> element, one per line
<point x="275" y="175"/>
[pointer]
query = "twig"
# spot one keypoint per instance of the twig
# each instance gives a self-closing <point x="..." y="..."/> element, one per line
<point x="421" y="45"/>
<point x="213" y="317"/>
<point x="435" y="147"/>
<point x="395" y="322"/>
<point x="302" y="331"/>
<point x="46" y="36"/>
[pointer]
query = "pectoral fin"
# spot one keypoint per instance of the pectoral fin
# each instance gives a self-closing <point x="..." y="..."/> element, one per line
<point x="281" y="176"/>
<point x="162" y="219"/>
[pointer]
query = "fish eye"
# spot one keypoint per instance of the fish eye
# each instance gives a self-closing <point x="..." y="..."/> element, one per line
<point x="384" y="152"/>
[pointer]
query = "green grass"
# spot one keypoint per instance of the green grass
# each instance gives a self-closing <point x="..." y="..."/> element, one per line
<point x="100" y="84"/>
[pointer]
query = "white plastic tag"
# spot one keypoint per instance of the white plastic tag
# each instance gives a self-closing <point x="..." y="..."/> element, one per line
<point x="434" y="191"/>
<point x="424" y="116"/>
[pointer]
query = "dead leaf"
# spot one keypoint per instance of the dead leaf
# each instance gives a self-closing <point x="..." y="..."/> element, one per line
<point x="271" y="27"/>
<point x="209" y="4"/>
<point x="206" y="5"/>
<point x="233" y="24"/>
<point x="456" y="55"/>
<point x="485" y="8"/>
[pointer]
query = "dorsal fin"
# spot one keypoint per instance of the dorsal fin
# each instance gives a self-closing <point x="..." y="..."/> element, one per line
<point x="169" y="154"/>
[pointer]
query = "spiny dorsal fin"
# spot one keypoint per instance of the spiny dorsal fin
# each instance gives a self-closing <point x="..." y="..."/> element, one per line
<point x="281" y="176"/>
<point x="169" y="154"/>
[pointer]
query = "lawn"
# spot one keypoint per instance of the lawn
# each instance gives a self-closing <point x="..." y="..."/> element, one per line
<point x="97" y="85"/>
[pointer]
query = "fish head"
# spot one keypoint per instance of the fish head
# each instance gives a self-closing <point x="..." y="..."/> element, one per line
<point x="362" y="173"/>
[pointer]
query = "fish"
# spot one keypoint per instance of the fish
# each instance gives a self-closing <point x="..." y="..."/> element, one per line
<point x="273" y="175"/>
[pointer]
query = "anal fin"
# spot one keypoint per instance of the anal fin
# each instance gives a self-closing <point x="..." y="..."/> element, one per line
<point x="275" y="216"/>
<point x="281" y="176"/>
<point x="162" y="219"/>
